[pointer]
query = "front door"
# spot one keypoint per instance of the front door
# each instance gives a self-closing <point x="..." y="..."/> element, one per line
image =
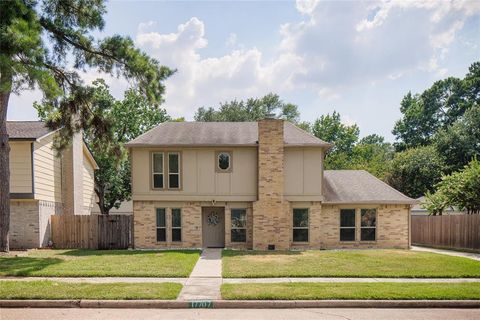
<point x="213" y="227"/>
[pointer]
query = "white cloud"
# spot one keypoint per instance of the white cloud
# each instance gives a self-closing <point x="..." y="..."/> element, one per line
<point x="336" y="46"/>
<point x="231" y="40"/>
<point x="306" y="6"/>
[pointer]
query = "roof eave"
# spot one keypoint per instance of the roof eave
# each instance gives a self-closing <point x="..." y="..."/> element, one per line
<point x="148" y="145"/>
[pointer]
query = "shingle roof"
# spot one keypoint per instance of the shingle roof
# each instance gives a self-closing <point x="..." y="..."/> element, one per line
<point x="218" y="134"/>
<point x="359" y="186"/>
<point x="26" y="129"/>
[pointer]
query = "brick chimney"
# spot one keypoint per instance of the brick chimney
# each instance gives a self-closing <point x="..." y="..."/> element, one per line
<point x="270" y="211"/>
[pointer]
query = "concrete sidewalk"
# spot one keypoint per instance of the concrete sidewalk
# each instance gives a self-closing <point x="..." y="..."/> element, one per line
<point x="333" y="280"/>
<point x="469" y="255"/>
<point x="99" y="279"/>
<point x="206" y="278"/>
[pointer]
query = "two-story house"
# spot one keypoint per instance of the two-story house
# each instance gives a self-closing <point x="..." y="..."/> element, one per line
<point x="256" y="185"/>
<point x="43" y="184"/>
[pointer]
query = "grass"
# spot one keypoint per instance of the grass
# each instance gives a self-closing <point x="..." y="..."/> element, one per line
<point x="49" y="290"/>
<point x="100" y="263"/>
<point x="346" y="263"/>
<point x="351" y="291"/>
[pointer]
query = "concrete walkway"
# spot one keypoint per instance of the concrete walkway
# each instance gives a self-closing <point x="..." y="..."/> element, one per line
<point x="206" y="278"/>
<point x="469" y="255"/>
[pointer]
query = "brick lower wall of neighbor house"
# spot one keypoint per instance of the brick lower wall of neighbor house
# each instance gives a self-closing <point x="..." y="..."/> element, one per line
<point x="144" y="221"/>
<point x="24" y="224"/>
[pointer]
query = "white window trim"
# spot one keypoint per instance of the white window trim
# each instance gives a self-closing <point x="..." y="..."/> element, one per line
<point x="181" y="224"/>
<point x="361" y="228"/>
<point x="153" y="173"/>
<point x="300" y="228"/>
<point x="236" y="228"/>
<point x="175" y="173"/>
<point x="354" y="227"/>
<point x="164" y="227"/>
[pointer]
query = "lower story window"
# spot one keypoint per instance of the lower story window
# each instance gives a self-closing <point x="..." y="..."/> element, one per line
<point x="239" y="225"/>
<point x="176" y="224"/>
<point x="300" y="225"/>
<point x="347" y="225"/>
<point x="161" y="225"/>
<point x="368" y="225"/>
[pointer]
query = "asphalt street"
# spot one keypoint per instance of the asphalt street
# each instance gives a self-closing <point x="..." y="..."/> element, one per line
<point x="234" y="314"/>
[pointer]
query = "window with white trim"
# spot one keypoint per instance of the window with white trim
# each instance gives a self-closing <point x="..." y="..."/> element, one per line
<point x="176" y="224"/>
<point x="347" y="224"/>
<point x="174" y="170"/>
<point x="223" y="159"/>
<point x="300" y="225"/>
<point x="239" y="225"/>
<point x="161" y="225"/>
<point x="157" y="170"/>
<point x="368" y="225"/>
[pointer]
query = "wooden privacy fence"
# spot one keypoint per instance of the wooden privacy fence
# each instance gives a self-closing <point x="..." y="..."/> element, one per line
<point x="455" y="231"/>
<point x="92" y="232"/>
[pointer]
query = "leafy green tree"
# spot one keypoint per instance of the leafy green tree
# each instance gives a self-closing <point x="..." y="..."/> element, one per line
<point x="344" y="137"/>
<point x="460" y="189"/>
<point x="127" y="119"/>
<point x="436" y="108"/>
<point x="43" y="44"/>
<point x="460" y="142"/>
<point x="435" y="203"/>
<point x="416" y="171"/>
<point x="252" y="109"/>
<point x="372" y="154"/>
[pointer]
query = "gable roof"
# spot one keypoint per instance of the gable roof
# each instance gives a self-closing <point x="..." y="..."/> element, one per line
<point x="359" y="186"/>
<point x="218" y="134"/>
<point x="26" y="130"/>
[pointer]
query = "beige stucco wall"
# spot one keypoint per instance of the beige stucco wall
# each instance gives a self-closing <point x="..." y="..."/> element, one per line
<point x="303" y="174"/>
<point x="88" y="170"/>
<point x="47" y="171"/>
<point x="20" y="167"/>
<point x="199" y="179"/>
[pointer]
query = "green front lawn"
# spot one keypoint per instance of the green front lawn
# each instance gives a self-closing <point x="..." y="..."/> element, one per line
<point x="100" y="263"/>
<point x="346" y="263"/>
<point x="351" y="291"/>
<point x="50" y="290"/>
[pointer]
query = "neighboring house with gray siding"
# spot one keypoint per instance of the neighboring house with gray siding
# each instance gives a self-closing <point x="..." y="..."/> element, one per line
<point x="43" y="184"/>
<point x="256" y="185"/>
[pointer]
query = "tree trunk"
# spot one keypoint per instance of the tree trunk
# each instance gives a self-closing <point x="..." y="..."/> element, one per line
<point x="100" y="191"/>
<point x="5" y="87"/>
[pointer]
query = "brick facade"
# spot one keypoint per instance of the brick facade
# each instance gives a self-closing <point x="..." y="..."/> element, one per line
<point x="30" y="223"/>
<point x="271" y="218"/>
<point x="144" y="221"/>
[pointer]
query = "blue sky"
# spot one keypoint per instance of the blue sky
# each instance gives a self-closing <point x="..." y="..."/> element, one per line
<point x="358" y="58"/>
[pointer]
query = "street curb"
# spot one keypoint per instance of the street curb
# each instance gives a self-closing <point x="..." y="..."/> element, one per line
<point x="239" y="304"/>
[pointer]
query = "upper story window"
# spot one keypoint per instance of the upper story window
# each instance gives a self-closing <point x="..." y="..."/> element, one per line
<point x="157" y="170"/>
<point x="166" y="168"/>
<point x="174" y="170"/>
<point x="224" y="161"/>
